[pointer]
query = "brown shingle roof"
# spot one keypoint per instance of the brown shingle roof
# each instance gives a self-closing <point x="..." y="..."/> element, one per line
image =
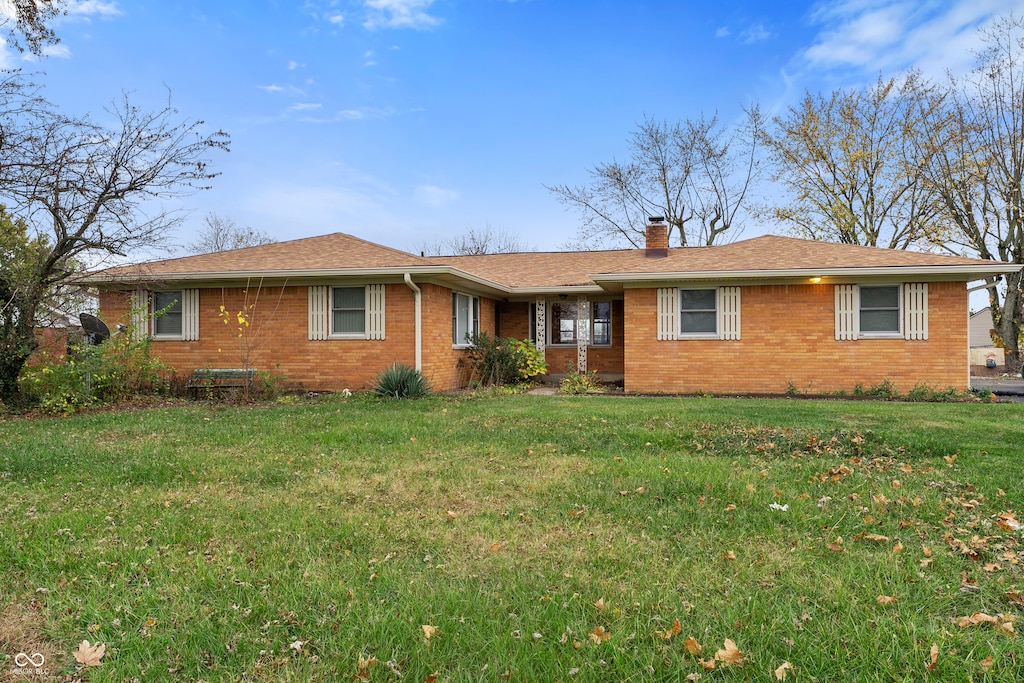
<point x="766" y="253"/>
<point x="339" y="251"/>
<point x="336" y="250"/>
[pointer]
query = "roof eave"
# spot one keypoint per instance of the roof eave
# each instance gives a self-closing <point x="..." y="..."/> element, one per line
<point x="973" y="272"/>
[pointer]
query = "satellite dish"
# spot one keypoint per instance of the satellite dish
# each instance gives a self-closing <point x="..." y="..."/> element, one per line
<point x="96" y="331"/>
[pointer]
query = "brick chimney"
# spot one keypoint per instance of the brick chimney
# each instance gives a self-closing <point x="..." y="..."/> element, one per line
<point x="657" y="238"/>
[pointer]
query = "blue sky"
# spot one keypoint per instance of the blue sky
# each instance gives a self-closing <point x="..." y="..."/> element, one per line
<point x="410" y="121"/>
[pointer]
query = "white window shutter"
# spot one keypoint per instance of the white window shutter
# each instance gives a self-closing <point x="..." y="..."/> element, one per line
<point x="729" y="313"/>
<point x="915" y="310"/>
<point x="668" y="314"/>
<point x="375" y="312"/>
<point x="847" y="314"/>
<point x="540" y="323"/>
<point x="139" y="302"/>
<point x="190" y="314"/>
<point x="318" y="312"/>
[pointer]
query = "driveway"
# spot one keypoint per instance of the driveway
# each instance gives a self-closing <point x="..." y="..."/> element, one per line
<point x="1011" y="388"/>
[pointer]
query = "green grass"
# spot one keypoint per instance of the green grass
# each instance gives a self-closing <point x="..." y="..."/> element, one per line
<point x="210" y="542"/>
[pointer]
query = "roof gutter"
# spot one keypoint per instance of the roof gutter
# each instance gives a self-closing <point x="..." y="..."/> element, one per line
<point x="975" y="271"/>
<point x="418" y="297"/>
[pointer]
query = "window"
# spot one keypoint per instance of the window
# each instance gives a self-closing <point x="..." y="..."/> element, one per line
<point x="602" y="323"/>
<point x="880" y="310"/>
<point x="465" y="318"/>
<point x="167" y="310"/>
<point x="348" y="311"/>
<point x="698" y="311"/>
<point x="564" y="323"/>
<point x="532" y="333"/>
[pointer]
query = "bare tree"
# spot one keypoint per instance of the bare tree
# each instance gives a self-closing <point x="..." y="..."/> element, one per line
<point x="487" y="240"/>
<point x="976" y="166"/>
<point x="27" y="19"/>
<point x="696" y="174"/>
<point x="852" y="165"/>
<point x="83" y="190"/>
<point x="222" y="233"/>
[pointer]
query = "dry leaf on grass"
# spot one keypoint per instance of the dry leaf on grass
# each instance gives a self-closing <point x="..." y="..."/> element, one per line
<point x="886" y="599"/>
<point x="600" y="635"/>
<point x="600" y="604"/>
<point x="692" y="646"/>
<point x="780" y="673"/>
<point x="729" y="654"/>
<point x="674" y="630"/>
<point x="933" y="657"/>
<point x="428" y="632"/>
<point x="90" y="655"/>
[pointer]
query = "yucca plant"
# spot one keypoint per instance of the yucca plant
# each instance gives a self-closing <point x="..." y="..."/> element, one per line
<point x="401" y="381"/>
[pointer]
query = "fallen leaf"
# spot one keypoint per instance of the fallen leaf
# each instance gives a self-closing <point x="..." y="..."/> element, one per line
<point x="428" y="632"/>
<point x="90" y="655"/>
<point x="430" y="678"/>
<point x="600" y="604"/>
<point x="933" y="656"/>
<point x="693" y="678"/>
<point x="729" y="555"/>
<point x="780" y="673"/>
<point x="898" y="547"/>
<point x="729" y="654"/>
<point x="950" y="459"/>
<point x="451" y="514"/>
<point x="674" y="630"/>
<point x="692" y="646"/>
<point x="297" y="645"/>
<point x="992" y="567"/>
<point x="836" y="546"/>
<point x="886" y="599"/>
<point x="876" y="537"/>
<point x="600" y="635"/>
<point x="926" y="550"/>
<point x="730" y="506"/>
<point x="987" y="663"/>
<point x="708" y="664"/>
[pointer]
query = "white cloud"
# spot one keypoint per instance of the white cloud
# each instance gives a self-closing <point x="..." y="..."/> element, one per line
<point x="400" y="14"/>
<point x="59" y="51"/>
<point x="723" y="32"/>
<point x="293" y="65"/>
<point x="754" y="33"/>
<point x="305" y="106"/>
<point x="336" y="18"/>
<point x="271" y="88"/>
<point x="93" y="8"/>
<point x="435" y="197"/>
<point x="887" y="35"/>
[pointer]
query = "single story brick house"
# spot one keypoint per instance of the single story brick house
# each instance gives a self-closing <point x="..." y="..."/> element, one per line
<point x="755" y="316"/>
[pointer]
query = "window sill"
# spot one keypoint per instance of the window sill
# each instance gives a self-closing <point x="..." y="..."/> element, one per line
<point x="684" y="337"/>
<point x="168" y="337"/>
<point x="342" y="337"/>
<point x="880" y="335"/>
<point x="573" y="345"/>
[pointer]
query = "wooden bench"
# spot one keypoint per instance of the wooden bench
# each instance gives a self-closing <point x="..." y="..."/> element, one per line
<point x="218" y="381"/>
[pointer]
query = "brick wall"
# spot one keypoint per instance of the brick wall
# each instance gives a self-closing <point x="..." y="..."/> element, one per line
<point x="788" y="335"/>
<point x="278" y="342"/>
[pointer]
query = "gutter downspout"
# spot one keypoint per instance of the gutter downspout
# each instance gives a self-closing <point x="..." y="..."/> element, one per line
<point x="418" y="295"/>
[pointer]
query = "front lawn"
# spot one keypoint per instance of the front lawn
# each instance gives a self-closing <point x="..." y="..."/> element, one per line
<point x="519" y="538"/>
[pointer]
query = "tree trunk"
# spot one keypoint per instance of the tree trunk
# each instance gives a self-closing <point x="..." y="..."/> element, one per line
<point x="1009" y="325"/>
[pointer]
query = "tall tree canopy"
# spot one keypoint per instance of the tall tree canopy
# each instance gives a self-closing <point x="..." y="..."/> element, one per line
<point x="976" y="168"/>
<point x="852" y="165"/>
<point x="697" y="174"/>
<point x="24" y="23"/>
<point x="80" y="190"/>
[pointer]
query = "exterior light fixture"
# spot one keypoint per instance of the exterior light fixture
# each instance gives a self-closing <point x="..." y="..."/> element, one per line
<point x="815" y="280"/>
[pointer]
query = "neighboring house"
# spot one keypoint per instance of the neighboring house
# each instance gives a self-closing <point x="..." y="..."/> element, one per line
<point x="979" y="338"/>
<point x="755" y="316"/>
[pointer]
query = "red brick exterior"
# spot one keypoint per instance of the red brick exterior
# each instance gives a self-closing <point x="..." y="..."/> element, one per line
<point x="788" y="336"/>
<point x="277" y="341"/>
